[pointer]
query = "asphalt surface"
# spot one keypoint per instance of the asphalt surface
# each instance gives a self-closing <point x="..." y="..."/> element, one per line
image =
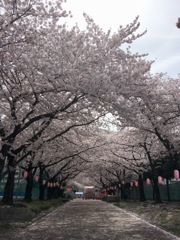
<point x="88" y="220"/>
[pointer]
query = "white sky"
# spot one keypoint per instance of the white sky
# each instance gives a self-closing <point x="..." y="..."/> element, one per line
<point x="159" y="17"/>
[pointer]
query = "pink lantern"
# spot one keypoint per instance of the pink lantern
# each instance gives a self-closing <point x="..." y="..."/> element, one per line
<point x="136" y="184"/>
<point x="57" y="184"/>
<point x="119" y="185"/>
<point x="36" y="178"/>
<point x="176" y="174"/>
<point x="114" y="187"/>
<point x="159" y="179"/>
<point x="25" y="174"/>
<point x="148" y="181"/>
<point x="131" y="184"/>
<point x="54" y="184"/>
<point x="44" y="182"/>
<point x="122" y="182"/>
<point x="49" y="184"/>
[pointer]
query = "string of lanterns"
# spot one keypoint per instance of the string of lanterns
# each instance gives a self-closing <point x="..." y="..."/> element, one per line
<point x="148" y="182"/>
<point x="36" y="179"/>
<point x="160" y="179"/>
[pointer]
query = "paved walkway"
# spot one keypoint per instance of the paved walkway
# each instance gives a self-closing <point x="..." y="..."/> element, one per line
<point x="88" y="220"/>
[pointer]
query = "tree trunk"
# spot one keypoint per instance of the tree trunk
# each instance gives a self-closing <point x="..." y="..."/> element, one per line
<point x="4" y="155"/>
<point x="123" y="191"/>
<point x="41" y="186"/>
<point x="49" y="192"/>
<point x="29" y="188"/>
<point x="55" y="193"/>
<point x="2" y="163"/>
<point x="41" y="192"/>
<point x="61" y="193"/>
<point x="9" y="187"/>
<point x="118" y="194"/>
<point x="168" y="190"/>
<point x="156" y="191"/>
<point x="141" y="189"/>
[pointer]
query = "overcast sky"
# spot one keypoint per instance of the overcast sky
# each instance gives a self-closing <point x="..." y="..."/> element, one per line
<point x="159" y="17"/>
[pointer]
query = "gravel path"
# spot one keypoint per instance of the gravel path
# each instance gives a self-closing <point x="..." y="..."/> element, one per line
<point x="88" y="220"/>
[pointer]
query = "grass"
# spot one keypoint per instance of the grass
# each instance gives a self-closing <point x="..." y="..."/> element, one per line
<point x="5" y="228"/>
<point x="41" y="206"/>
<point x="36" y="206"/>
<point x="165" y="215"/>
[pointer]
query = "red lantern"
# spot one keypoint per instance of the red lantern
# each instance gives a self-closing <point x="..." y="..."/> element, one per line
<point x="25" y="174"/>
<point x="44" y="182"/>
<point x="36" y="178"/>
<point x="148" y="181"/>
<point x="136" y="184"/>
<point x="131" y="184"/>
<point x="159" y="179"/>
<point x="176" y="174"/>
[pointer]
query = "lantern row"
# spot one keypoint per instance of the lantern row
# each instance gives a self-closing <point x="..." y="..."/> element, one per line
<point x="148" y="181"/>
<point x="49" y="184"/>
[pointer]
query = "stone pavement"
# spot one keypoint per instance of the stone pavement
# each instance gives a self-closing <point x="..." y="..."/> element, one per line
<point x="88" y="220"/>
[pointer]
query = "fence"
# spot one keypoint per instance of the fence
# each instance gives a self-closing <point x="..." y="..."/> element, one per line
<point x="20" y="187"/>
<point x="174" y="188"/>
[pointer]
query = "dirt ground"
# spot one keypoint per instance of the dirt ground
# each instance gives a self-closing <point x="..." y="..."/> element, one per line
<point x="88" y="220"/>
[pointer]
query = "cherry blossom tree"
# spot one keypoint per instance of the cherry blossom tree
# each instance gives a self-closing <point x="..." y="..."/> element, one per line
<point x="155" y="114"/>
<point x="155" y="111"/>
<point x="70" y="163"/>
<point x="51" y="74"/>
